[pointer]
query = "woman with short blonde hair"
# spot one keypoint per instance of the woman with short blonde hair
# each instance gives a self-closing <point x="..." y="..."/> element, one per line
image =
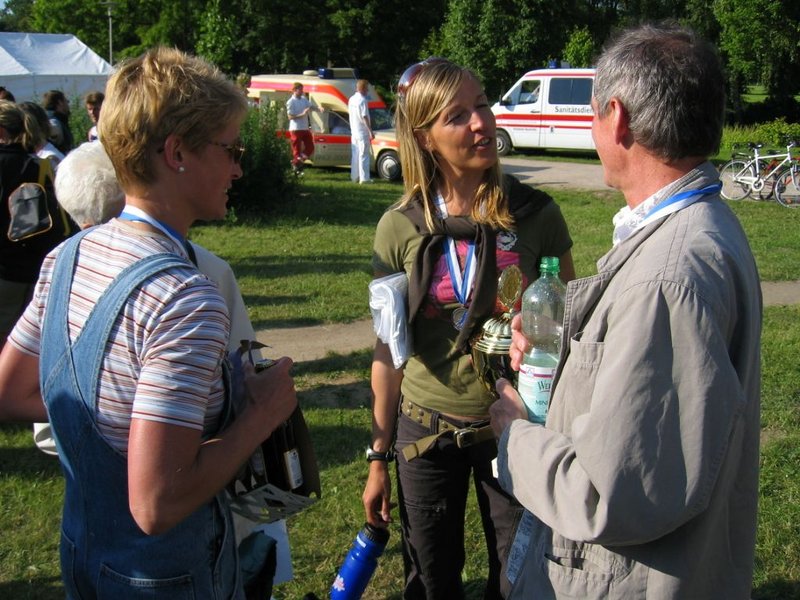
<point x="130" y="337"/>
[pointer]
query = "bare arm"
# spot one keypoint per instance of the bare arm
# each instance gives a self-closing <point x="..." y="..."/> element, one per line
<point x="20" y="399"/>
<point x="171" y="472"/>
<point x="386" y="382"/>
<point x="566" y="267"/>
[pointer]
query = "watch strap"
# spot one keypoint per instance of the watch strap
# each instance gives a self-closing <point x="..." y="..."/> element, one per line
<point x="381" y="456"/>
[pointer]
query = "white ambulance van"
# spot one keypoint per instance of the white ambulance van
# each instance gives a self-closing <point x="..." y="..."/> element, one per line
<point x="331" y="88"/>
<point x="546" y="108"/>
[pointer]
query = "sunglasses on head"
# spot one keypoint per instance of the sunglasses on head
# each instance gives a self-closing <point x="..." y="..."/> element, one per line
<point x="410" y="74"/>
<point x="236" y="149"/>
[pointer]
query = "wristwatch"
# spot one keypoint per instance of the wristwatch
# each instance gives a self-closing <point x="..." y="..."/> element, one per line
<point x="382" y="456"/>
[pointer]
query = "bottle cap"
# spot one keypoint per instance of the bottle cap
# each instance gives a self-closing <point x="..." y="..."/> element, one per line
<point x="549" y="264"/>
<point x="375" y="534"/>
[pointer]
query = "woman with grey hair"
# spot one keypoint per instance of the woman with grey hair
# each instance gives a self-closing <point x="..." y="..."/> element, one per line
<point x="87" y="187"/>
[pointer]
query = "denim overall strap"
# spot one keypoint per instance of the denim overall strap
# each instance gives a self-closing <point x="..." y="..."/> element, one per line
<point x="104" y="554"/>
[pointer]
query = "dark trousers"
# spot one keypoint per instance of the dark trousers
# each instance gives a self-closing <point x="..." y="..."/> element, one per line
<point x="432" y="491"/>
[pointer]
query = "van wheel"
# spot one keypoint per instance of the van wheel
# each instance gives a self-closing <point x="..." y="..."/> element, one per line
<point x="388" y="166"/>
<point x="503" y="143"/>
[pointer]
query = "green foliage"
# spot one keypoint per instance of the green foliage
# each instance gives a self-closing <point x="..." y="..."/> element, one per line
<point x="775" y="133"/>
<point x="759" y="43"/>
<point x="216" y="40"/>
<point x="580" y="49"/>
<point x="266" y="182"/>
<point x="779" y="131"/>
<point x="501" y="39"/>
<point x="84" y="19"/>
<point x="79" y="121"/>
<point x="15" y="15"/>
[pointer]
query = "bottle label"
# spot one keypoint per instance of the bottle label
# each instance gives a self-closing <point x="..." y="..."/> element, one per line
<point x="294" y="473"/>
<point x="534" y="385"/>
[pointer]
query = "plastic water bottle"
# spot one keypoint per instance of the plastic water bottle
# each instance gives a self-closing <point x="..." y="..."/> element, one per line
<point x="360" y="563"/>
<point x="542" y="323"/>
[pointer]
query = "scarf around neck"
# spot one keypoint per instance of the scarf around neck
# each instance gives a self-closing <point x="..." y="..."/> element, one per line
<point x="522" y="200"/>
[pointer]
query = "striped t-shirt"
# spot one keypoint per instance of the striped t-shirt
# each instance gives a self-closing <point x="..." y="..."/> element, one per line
<point x="163" y="358"/>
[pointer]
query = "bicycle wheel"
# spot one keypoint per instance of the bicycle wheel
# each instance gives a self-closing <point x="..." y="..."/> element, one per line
<point x="787" y="191"/>
<point x="728" y="173"/>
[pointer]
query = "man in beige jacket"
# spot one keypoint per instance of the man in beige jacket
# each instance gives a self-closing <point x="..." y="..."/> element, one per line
<point x="644" y="481"/>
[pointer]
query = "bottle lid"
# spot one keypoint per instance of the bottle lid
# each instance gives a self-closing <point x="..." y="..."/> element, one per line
<point x="375" y="534"/>
<point x="549" y="264"/>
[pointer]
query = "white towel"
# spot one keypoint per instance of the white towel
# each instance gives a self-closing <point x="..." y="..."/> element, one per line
<point x="388" y="302"/>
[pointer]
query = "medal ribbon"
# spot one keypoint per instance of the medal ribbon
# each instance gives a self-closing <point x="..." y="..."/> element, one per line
<point x="677" y="202"/>
<point x="133" y="213"/>
<point x="462" y="282"/>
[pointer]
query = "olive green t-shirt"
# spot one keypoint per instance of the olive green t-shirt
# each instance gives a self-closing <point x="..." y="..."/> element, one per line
<point x="432" y="378"/>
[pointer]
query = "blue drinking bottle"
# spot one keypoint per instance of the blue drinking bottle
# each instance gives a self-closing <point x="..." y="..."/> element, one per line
<point x="360" y="563"/>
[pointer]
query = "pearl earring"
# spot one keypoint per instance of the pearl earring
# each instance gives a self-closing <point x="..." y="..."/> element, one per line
<point x="181" y="169"/>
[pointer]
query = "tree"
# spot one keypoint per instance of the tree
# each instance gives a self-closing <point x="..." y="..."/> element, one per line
<point x="16" y="15"/>
<point x="580" y="49"/>
<point x="216" y="40"/>
<point x="759" y="40"/>
<point x="369" y="34"/>
<point x="501" y="39"/>
<point x="86" y="20"/>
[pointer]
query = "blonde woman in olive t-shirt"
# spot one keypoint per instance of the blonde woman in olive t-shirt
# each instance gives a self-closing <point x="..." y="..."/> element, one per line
<point x="457" y="210"/>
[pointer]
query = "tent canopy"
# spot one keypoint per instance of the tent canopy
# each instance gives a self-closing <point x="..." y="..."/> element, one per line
<point x="33" y="63"/>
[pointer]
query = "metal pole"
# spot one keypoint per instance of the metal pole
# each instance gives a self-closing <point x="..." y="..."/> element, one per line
<point x="110" y="6"/>
<point x="110" y="38"/>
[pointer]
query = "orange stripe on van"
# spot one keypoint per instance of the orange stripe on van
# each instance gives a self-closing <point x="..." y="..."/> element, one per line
<point x="322" y="88"/>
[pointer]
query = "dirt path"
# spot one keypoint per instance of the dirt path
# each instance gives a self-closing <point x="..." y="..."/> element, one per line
<point x="313" y="343"/>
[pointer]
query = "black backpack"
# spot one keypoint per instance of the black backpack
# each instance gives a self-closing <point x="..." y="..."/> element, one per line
<point x="34" y="210"/>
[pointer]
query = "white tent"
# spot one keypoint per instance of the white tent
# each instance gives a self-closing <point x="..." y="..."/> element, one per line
<point x="33" y="63"/>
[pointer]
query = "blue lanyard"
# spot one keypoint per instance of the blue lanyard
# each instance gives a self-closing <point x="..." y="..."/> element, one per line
<point x="133" y="213"/>
<point x="676" y="202"/>
<point x="461" y="281"/>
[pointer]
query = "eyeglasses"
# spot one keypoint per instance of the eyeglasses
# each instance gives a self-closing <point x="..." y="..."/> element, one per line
<point x="236" y="149"/>
<point x="410" y="74"/>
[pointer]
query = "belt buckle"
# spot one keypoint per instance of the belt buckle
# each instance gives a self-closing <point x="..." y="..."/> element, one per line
<point x="464" y="437"/>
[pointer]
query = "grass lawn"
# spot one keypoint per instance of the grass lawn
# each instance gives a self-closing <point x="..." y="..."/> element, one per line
<point x="311" y="264"/>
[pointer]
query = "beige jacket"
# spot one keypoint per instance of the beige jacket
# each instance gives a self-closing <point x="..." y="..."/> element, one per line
<point x="644" y="482"/>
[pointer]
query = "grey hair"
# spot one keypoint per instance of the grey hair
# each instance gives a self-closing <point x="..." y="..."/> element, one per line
<point x="87" y="187"/>
<point x="671" y="84"/>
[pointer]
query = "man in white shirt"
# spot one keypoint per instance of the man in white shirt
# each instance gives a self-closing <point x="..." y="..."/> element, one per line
<point x="361" y="134"/>
<point x="297" y="109"/>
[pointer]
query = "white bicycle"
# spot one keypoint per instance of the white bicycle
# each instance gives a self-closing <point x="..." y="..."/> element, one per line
<point x="762" y="174"/>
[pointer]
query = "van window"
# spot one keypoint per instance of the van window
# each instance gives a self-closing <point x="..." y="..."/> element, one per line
<point x="380" y="118"/>
<point x="529" y="92"/>
<point x="570" y="90"/>
<point x="338" y="124"/>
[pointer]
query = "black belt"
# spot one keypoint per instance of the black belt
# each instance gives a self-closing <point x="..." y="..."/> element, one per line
<point x="464" y="437"/>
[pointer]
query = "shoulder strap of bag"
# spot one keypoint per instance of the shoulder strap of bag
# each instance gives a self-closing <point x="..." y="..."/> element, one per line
<point x="45" y="173"/>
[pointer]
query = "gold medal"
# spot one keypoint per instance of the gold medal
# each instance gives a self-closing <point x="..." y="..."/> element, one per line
<point x="509" y="287"/>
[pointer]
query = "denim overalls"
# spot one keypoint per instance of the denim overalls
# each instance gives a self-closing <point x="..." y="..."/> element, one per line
<point x="104" y="554"/>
